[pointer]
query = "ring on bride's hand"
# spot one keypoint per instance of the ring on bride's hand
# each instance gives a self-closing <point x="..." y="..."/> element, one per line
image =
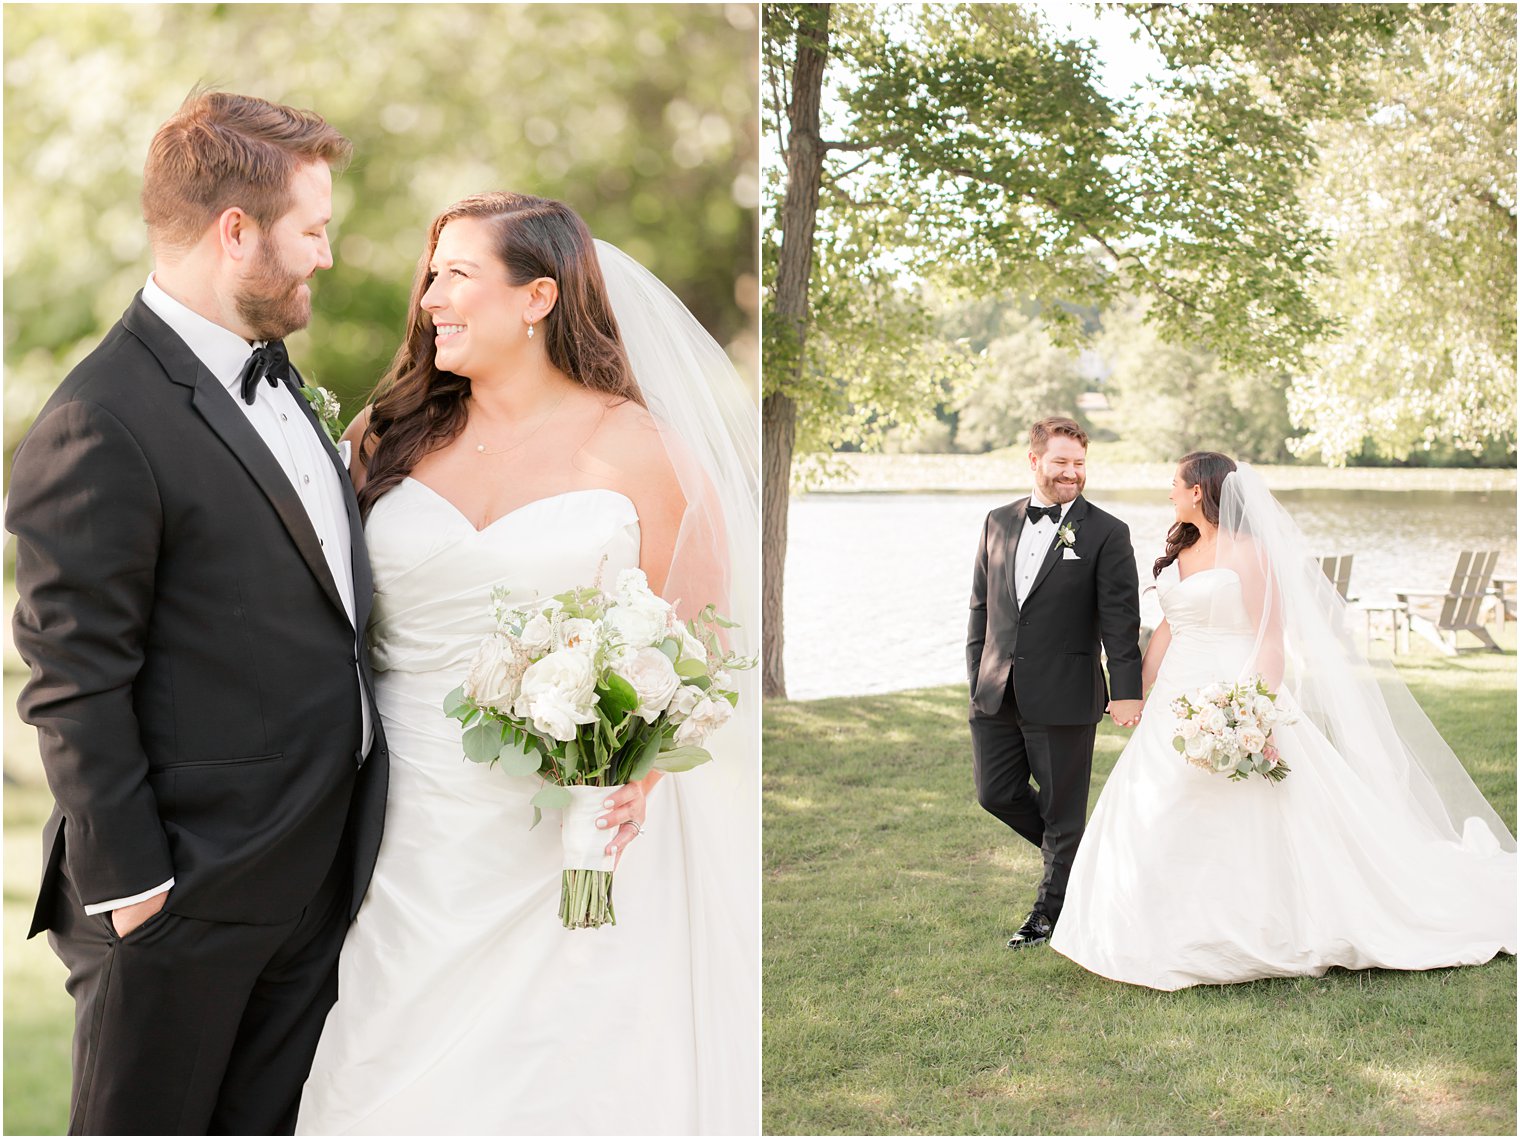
<point x="634" y="823"/>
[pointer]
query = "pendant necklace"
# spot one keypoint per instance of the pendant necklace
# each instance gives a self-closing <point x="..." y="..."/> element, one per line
<point x="480" y="448"/>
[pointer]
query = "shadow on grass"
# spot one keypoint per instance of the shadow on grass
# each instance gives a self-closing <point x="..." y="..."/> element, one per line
<point x="891" y="1005"/>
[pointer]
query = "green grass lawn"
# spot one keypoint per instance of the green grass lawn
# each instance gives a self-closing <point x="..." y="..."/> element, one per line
<point x="893" y="1006"/>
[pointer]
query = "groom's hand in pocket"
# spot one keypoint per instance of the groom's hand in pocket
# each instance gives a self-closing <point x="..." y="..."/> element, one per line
<point x="1126" y="713"/>
<point x="127" y="918"/>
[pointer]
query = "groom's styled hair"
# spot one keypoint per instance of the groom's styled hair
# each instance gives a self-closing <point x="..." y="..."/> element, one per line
<point x="222" y="150"/>
<point x="1040" y="433"/>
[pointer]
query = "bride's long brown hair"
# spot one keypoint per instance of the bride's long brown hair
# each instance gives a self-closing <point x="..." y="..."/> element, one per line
<point x="417" y="408"/>
<point x="1205" y="470"/>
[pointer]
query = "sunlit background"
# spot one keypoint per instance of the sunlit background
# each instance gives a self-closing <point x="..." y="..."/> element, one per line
<point x="642" y="117"/>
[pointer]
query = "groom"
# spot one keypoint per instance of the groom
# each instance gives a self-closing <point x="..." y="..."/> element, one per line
<point x="193" y="591"/>
<point x="1055" y="576"/>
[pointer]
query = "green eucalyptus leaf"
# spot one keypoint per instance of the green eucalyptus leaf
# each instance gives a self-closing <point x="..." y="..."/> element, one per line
<point x="682" y="759"/>
<point x="482" y="743"/>
<point x="456" y="703"/>
<point x="515" y="759"/>
<point x="551" y="795"/>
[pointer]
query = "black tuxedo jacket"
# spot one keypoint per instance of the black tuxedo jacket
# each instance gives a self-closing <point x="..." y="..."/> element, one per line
<point x="193" y="679"/>
<point x="1050" y="645"/>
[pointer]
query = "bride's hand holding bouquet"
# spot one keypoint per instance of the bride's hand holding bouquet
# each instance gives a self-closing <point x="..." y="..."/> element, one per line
<point x="594" y="691"/>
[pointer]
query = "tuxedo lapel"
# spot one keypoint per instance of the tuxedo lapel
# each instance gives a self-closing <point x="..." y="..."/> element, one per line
<point x="1073" y="517"/>
<point x="1010" y="563"/>
<point x="215" y="405"/>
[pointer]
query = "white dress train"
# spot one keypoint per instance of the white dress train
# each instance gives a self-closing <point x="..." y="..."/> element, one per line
<point x="1184" y="877"/>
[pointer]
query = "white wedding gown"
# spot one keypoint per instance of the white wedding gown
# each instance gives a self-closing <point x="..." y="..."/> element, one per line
<point x="1184" y="877"/>
<point x="464" y="1007"/>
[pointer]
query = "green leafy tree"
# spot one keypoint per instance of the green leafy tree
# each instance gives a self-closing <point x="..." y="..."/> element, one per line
<point x="1168" y="399"/>
<point x="1419" y="189"/>
<point x="969" y="144"/>
<point x="1021" y="376"/>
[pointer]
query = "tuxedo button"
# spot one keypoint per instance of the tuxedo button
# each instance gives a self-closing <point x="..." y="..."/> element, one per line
<point x="306" y="478"/>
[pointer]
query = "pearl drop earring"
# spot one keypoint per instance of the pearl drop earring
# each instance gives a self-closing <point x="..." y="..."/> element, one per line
<point x="530" y="330"/>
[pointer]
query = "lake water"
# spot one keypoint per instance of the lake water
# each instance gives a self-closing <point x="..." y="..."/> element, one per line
<point x="877" y="584"/>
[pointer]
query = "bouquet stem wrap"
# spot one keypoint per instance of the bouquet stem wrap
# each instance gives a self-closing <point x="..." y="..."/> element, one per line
<point x="585" y="896"/>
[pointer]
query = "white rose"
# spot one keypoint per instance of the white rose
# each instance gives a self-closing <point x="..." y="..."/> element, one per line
<point x="577" y="633"/>
<point x="710" y="714"/>
<point x="723" y="679"/>
<point x="570" y="673"/>
<point x="1253" y="740"/>
<point x="654" y="679"/>
<point x="492" y="681"/>
<point x="692" y="647"/>
<point x="1214" y="720"/>
<point x="554" y="716"/>
<point x="537" y="634"/>
<point x="1187" y="729"/>
<point x="685" y="700"/>
<point x="639" y="622"/>
<point x="632" y="583"/>
<point x="1264" y="707"/>
<point x="1211" y="693"/>
<point x="1200" y="747"/>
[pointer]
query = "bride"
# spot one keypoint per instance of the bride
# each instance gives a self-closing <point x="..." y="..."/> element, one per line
<point x="554" y="417"/>
<point x="1375" y="851"/>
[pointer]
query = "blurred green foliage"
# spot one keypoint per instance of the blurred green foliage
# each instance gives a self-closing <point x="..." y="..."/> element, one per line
<point x="643" y="117"/>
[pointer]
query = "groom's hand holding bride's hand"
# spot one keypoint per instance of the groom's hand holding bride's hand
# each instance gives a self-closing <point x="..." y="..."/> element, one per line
<point x="1126" y="713"/>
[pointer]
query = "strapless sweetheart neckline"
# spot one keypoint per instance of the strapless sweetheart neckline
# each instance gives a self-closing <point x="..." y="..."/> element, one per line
<point x="1196" y="573"/>
<point x="463" y="517"/>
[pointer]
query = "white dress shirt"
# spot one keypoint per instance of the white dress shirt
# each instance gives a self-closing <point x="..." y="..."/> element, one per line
<point x="300" y="450"/>
<point x="1034" y="544"/>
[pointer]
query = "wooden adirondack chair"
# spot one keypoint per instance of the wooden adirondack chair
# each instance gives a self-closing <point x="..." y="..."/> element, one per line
<point x="1471" y="586"/>
<point x="1338" y="570"/>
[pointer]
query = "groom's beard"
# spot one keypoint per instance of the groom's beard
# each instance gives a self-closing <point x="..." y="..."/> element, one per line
<point x="272" y="302"/>
<point x="1059" y="491"/>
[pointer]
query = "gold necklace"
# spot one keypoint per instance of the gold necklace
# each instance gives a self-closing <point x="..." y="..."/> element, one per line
<point x="480" y="448"/>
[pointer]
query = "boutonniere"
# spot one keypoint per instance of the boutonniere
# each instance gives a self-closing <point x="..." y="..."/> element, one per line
<point x="1066" y="535"/>
<point x="328" y="410"/>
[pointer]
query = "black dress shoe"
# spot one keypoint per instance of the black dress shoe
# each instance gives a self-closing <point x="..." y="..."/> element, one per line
<point x="1035" y="931"/>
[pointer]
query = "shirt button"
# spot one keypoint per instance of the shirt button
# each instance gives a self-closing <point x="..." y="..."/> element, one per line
<point x="321" y="541"/>
<point x="282" y="418"/>
<point x="306" y="478"/>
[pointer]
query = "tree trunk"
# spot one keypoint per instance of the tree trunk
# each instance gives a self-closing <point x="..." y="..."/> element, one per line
<point x="794" y="267"/>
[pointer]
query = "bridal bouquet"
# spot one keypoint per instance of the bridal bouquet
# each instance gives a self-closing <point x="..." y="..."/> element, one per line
<point x="1228" y="730"/>
<point x="593" y="690"/>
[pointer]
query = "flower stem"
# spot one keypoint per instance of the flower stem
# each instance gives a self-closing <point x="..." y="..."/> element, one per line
<point x="585" y="899"/>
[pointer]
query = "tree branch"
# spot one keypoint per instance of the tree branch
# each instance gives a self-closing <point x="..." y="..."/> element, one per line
<point x="868" y="144"/>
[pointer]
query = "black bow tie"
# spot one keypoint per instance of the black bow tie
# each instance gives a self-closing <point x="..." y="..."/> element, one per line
<point x="1035" y="513"/>
<point x="270" y="362"/>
